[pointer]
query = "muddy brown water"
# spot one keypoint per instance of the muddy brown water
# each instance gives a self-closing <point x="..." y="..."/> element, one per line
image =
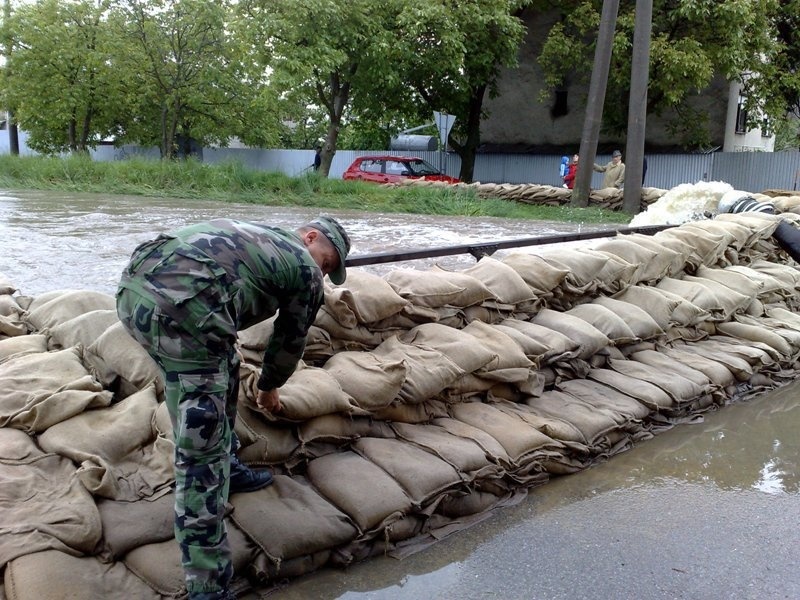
<point x="705" y="510"/>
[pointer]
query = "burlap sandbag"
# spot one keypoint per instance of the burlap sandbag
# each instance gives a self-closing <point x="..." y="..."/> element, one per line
<point x="289" y="519"/>
<point x="6" y="287"/>
<point x="708" y="247"/>
<point x="541" y="276"/>
<point x="650" y="395"/>
<point x="649" y="300"/>
<point x="256" y="337"/>
<point x="40" y="390"/>
<point x="67" y="306"/>
<point x="616" y="274"/>
<point x="422" y="475"/>
<point x="678" y="250"/>
<point x="309" y="392"/>
<point x="777" y="347"/>
<point x="53" y="574"/>
<point x="681" y="389"/>
<point x="12" y="326"/>
<point x="159" y="564"/>
<point x="789" y="275"/>
<point x="605" y="320"/>
<point x="424" y="288"/>
<point x="652" y="266"/>
<point x="702" y="296"/>
<point x="555" y="428"/>
<point x="23" y="344"/>
<point x="371" y="380"/>
<point x="428" y="371"/>
<point x="359" y="488"/>
<point x="264" y="442"/>
<point x="640" y="322"/>
<point x="731" y="300"/>
<point x="761" y="224"/>
<point x="520" y="440"/>
<point x="488" y="443"/>
<point x="731" y="279"/>
<point x="475" y="291"/>
<point x="128" y="525"/>
<point x="465" y="455"/>
<point x="456" y="344"/>
<point x="120" y="363"/>
<point x="83" y="329"/>
<point x="592" y="422"/>
<point x="505" y="283"/>
<point x="667" y="364"/>
<point x="403" y="412"/>
<point x="507" y="354"/>
<point x="741" y="369"/>
<point x="340" y="429"/>
<point x="360" y="335"/>
<point x="715" y="371"/>
<point x="599" y="395"/>
<point x="558" y="345"/>
<point x="366" y="296"/>
<point x="589" y="338"/>
<point x="582" y="267"/>
<point x="126" y="467"/>
<point x="771" y="289"/>
<point x="43" y="506"/>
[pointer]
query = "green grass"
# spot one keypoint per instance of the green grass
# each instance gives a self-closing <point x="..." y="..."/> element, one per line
<point x="232" y="182"/>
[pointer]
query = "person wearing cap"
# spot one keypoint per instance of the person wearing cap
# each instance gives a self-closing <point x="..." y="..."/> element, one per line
<point x="614" y="171"/>
<point x="183" y="296"/>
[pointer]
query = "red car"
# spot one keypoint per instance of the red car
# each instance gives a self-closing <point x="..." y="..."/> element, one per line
<point x="393" y="169"/>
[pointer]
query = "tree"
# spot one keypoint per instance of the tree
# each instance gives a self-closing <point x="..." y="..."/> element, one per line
<point x="61" y="83"/>
<point x="326" y="51"/>
<point x="692" y="42"/>
<point x="189" y="74"/>
<point x="451" y="54"/>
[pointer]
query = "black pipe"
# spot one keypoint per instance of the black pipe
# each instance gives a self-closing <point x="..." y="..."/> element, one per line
<point x="489" y="248"/>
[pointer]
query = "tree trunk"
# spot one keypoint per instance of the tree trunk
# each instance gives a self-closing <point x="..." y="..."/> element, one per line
<point x="468" y="150"/>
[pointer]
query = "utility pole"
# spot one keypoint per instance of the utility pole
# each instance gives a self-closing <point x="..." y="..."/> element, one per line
<point x="637" y="107"/>
<point x="11" y="124"/>
<point x="594" y="105"/>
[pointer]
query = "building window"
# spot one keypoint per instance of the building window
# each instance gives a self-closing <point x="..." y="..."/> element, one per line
<point x="741" y="116"/>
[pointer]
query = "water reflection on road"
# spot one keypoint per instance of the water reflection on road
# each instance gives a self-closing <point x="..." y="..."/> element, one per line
<point x="707" y="510"/>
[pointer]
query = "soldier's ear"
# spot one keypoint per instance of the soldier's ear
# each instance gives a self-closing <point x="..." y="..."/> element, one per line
<point x="309" y="237"/>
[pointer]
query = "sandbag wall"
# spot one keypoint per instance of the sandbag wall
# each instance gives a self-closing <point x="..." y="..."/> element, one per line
<point x="425" y="399"/>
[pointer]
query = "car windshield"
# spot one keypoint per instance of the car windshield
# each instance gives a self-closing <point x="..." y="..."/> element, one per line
<point x="421" y="167"/>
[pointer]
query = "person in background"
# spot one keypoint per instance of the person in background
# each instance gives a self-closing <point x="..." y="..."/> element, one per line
<point x="317" y="157"/>
<point x="572" y="171"/>
<point x="183" y="297"/>
<point x="614" y="171"/>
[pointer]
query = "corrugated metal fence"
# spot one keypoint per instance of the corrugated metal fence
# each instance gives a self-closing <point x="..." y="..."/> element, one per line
<point x="751" y="171"/>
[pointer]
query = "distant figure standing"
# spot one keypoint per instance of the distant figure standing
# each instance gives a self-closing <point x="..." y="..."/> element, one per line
<point x="317" y="158"/>
<point x="572" y="171"/>
<point x="614" y="171"/>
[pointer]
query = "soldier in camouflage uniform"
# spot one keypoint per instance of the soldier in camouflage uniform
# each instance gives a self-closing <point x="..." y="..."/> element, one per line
<point x="183" y="297"/>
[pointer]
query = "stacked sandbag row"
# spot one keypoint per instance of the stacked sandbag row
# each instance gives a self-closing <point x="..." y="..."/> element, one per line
<point x="425" y="399"/>
<point x="534" y="193"/>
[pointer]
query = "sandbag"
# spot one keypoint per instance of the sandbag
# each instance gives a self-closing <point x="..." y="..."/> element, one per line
<point x="126" y="467"/>
<point x="83" y="329"/>
<point x="66" y="306"/>
<point x="128" y="525"/>
<point x="456" y="344"/>
<point x="424" y="288"/>
<point x="606" y="321"/>
<point x="589" y="338"/>
<point x="640" y="322"/>
<point x="55" y="574"/>
<point x="42" y="389"/>
<point x="541" y="276"/>
<point x="42" y="505"/>
<point x="507" y="286"/>
<point x="23" y="344"/>
<point x="372" y="381"/>
<point x="289" y="519"/>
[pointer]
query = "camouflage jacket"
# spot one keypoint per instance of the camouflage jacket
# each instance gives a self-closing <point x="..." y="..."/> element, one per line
<point x="223" y="276"/>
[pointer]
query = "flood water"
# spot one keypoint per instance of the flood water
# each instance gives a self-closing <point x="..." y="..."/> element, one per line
<point x="706" y="510"/>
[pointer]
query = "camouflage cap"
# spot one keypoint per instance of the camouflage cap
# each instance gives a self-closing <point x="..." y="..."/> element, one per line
<point x="336" y="235"/>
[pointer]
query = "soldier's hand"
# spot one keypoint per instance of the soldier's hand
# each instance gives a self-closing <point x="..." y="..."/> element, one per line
<point x="269" y="401"/>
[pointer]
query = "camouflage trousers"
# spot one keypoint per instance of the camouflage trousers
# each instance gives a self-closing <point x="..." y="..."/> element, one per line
<point x="201" y="387"/>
